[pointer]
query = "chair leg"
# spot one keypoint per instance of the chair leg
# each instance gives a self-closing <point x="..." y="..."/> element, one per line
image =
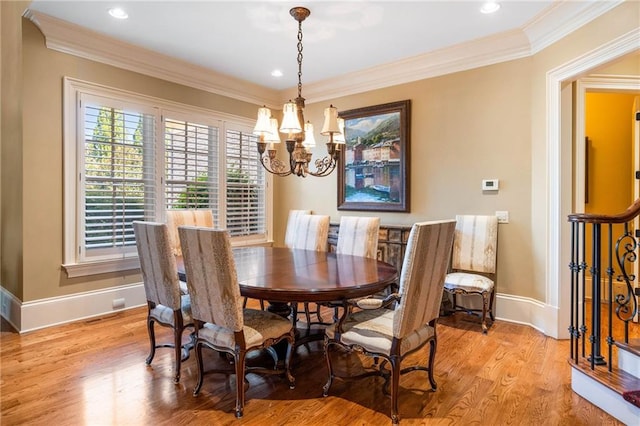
<point x="395" y="384"/>
<point x="307" y="315"/>
<point x="152" y="339"/>
<point x="240" y="368"/>
<point x="287" y="361"/>
<point x="198" y="351"/>
<point x="432" y="356"/>
<point x="485" y="305"/>
<point x="294" y="314"/>
<point x="325" y="388"/>
<point x="491" y="300"/>
<point x="178" y="328"/>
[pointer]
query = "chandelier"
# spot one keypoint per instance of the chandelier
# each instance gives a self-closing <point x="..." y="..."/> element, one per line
<point x="300" y="139"/>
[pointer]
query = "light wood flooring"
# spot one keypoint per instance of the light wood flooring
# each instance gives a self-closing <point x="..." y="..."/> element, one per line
<point x="93" y="372"/>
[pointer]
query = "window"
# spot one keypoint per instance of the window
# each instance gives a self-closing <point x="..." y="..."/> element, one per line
<point x="129" y="157"/>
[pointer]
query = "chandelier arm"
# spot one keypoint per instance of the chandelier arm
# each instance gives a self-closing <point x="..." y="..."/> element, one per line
<point x="275" y="166"/>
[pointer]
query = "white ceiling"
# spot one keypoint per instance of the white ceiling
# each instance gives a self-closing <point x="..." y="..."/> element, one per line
<point x="249" y="39"/>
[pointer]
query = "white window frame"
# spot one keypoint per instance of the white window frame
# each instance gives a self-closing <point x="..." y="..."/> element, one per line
<point x="73" y="132"/>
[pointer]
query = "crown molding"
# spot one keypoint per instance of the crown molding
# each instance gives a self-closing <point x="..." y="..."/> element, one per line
<point x="489" y="50"/>
<point x="78" y="41"/>
<point x="563" y="18"/>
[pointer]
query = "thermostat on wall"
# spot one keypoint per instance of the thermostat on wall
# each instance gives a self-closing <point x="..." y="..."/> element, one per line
<point x="490" y="184"/>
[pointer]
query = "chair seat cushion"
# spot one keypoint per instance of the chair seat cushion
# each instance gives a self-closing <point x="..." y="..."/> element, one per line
<point x="372" y="330"/>
<point x="258" y="326"/>
<point x="164" y="314"/>
<point x="468" y="282"/>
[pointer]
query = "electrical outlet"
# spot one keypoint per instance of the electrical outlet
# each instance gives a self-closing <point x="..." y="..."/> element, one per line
<point x="118" y="303"/>
<point x="503" y="216"/>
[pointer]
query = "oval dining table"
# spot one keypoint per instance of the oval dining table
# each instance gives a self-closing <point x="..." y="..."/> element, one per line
<point x="283" y="275"/>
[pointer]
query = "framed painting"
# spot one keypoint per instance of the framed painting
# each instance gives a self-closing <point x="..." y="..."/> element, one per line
<point x="373" y="173"/>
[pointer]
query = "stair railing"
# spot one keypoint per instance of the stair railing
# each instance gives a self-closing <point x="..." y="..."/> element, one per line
<point x="622" y="254"/>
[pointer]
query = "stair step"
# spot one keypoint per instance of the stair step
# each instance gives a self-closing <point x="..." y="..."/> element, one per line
<point x="617" y="380"/>
<point x="629" y="357"/>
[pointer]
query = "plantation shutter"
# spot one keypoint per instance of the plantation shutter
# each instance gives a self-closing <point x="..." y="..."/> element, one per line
<point x="118" y="174"/>
<point x="191" y="165"/>
<point x="246" y="185"/>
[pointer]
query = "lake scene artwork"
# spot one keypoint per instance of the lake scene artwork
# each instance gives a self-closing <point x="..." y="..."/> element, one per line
<point x="372" y="159"/>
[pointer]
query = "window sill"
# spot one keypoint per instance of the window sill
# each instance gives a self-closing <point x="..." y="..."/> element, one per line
<point x="75" y="270"/>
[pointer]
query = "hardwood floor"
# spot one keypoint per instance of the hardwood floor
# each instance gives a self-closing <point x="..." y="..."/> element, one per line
<point x="93" y="373"/>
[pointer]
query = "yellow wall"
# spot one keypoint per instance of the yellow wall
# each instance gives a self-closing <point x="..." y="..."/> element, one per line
<point x="609" y="121"/>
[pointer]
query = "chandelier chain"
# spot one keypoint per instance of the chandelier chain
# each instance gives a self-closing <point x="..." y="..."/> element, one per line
<point x="300" y="59"/>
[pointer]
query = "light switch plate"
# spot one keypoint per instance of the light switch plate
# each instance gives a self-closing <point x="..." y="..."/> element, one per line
<point x="503" y="216"/>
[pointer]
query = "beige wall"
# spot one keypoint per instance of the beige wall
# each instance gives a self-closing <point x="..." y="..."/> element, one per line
<point x="465" y="127"/>
<point x="484" y="123"/>
<point x="11" y="242"/>
<point x="42" y="149"/>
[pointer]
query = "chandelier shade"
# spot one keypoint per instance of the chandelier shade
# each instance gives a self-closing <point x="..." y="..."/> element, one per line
<point x="299" y="134"/>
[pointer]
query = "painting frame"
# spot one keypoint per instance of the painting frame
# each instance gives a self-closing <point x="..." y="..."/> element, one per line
<point x="373" y="173"/>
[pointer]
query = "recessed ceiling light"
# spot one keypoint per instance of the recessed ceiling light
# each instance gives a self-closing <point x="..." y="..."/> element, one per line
<point x="490" y="7"/>
<point x="118" y="13"/>
<point x="276" y="73"/>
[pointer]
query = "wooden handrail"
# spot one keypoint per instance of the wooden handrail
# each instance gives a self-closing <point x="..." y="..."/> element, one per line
<point x="632" y="211"/>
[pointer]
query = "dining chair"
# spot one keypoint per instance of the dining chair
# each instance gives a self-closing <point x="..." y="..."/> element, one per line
<point x="473" y="263"/>
<point x="357" y="236"/>
<point x="166" y="305"/>
<point x="192" y="217"/>
<point x="221" y="324"/>
<point x="311" y="232"/>
<point x="292" y="222"/>
<point x="393" y="334"/>
<point x="186" y="217"/>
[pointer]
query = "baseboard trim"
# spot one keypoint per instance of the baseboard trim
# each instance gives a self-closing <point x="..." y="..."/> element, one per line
<point x="527" y="311"/>
<point x="604" y="398"/>
<point x="29" y="316"/>
<point x="43" y="313"/>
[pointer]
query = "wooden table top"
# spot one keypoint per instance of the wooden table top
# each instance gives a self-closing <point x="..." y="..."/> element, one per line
<point x="291" y="275"/>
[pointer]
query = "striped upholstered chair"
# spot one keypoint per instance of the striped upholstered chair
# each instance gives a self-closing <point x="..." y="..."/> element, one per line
<point x="311" y="232"/>
<point x="358" y="236"/>
<point x="292" y="223"/>
<point x="166" y="305"/>
<point x="220" y="321"/>
<point x="190" y="217"/>
<point x="473" y="263"/>
<point x="393" y="334"/>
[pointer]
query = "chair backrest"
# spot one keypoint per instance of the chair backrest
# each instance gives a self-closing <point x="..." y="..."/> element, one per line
<point x="175" y="218"/>
<point x="157" y="263"/>
<point x="312" y="232"/>
<point x="422" y="278"/>
<point x="358" y="236"/>
<point x="211" y="276"/>
<point x="292" y="222"/>
<point x="475" y="244"/>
